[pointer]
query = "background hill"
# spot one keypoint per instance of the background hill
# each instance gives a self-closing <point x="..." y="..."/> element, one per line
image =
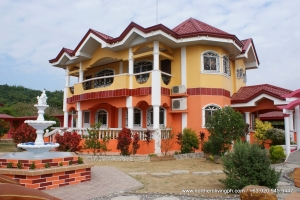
<point x="19" y="101"/>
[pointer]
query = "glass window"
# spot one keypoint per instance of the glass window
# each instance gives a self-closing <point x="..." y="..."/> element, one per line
<point x="161" y="116"/>
<point x="137" y="117"/>
<point x="208" y="112"/>
<point x="142" y="66"/>
<point x="226" y="65"/>
<point x="211" y="61"/>
<point x="104" y="82"/>
<point x="101" y="116"/>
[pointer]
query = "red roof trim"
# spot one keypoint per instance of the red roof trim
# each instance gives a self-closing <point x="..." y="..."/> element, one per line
<point x="161" y="27"/>
<point x="295" y="93"/>
<point x="246" y="44"/>
<point x="291" y="105"/>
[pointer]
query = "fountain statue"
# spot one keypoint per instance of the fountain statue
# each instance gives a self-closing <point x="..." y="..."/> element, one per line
<point x="39" y="147"/>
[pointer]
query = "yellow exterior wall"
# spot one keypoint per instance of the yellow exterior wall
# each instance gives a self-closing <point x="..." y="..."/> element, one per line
<point x="92" y="71"/>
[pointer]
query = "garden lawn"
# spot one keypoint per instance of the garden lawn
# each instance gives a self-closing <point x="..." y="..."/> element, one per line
<point x="7" y="147"/>
<point x="174" y="183"/>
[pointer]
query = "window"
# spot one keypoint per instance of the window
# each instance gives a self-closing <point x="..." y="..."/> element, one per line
<point x="208" y="112"/>
<point x="161" y="116"/>
<point x="211" y="61"/>
<point x="101" y="116"/>
<point x="165" y="67"/>
<point x="104" y="82"/>
<point x="142" y="66"/>
<point x="226" y="65"/>
<point x="137" y="117"/>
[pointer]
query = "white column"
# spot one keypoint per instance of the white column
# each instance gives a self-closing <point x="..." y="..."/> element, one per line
<point x="297" y="125"/>
<point x="79" y="116"/>
<point x="247" y="119"/>
<point x="66" y="90"/>
<point x="156" y="97"/>
<point x="80" y="73"/>
<point x="121" y="67"/>
<point x="129" y="99"/>
<point x="119" y="117"/>
<point x="287" y="132"/>
<point x="291" y="119"/>
<point x="183" y="82"/>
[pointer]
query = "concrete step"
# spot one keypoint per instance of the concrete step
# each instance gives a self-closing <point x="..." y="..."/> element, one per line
<point x="180" y="171"/>
<point x="205" y="173"/>
<point x="160" y="175"/>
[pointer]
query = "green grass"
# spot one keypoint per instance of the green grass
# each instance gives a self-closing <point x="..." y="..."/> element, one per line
<point x="7" y="147"/>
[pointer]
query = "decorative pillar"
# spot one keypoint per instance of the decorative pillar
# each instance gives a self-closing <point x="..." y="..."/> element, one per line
<point x="297" y="125"/>
<point x="156" y="97"/>
<point x="291" y="119"/>
<point x="119" y="117"/>
<point x="80" y="73"/>
<point x="129" y="98"/>
<point x="79" y="116"/>
<point x="247" y="119"/>
<point x="183" y="82"/>
<point x="287" y="133"/>
<point x="66" y="91"/>
<point x="121" y="67"/>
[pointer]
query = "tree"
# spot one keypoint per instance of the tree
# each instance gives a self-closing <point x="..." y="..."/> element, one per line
<point x="124" y="141"/>
<point x="261" y="130"/>
<point x="4" y="127"/>
<point x="168" y="140"/>
<point x="225" y="125"/>
<point x="92" y="139"/>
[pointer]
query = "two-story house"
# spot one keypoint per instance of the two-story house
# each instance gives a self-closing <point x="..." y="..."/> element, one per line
<point x="154" y="77"/>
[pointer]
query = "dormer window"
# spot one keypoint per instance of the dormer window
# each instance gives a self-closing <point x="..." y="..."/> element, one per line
<point x="211" y="62"/>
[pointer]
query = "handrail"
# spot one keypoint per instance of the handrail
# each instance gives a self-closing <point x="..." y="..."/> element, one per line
<point x="103" y="77"/>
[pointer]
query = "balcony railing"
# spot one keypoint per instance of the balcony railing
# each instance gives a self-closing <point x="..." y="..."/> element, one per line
<point x="142" y="77"/>
<point x="104" y="82"/>
<point x="71" y="89"/>
<point x="166" y="78"/>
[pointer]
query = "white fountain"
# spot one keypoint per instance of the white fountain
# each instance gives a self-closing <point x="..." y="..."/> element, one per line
<point x="39" y="147"/>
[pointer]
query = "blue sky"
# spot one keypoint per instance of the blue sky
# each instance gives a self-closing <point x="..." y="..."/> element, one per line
<point x="33" y="32"/>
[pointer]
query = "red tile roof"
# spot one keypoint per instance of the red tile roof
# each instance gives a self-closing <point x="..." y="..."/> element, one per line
<point x="291" y="105"/>
<point x="5" y="116"/>
<point x="189" y="28"/>
<point x="273" y="114"/>
<point x="247" y="93"/>
<point x="192" y="25"/>
<point x="246" y="44"/>
<point x="295" y="93"/>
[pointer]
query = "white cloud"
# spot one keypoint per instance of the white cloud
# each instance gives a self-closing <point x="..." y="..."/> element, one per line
<point x="33" y="32"/>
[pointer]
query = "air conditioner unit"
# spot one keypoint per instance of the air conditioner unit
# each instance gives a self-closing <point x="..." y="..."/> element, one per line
<point x="179" y="104"/>
<point x="180" y="89"/>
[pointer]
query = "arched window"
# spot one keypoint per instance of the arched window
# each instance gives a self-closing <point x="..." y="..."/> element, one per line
<point x="137" y="117"/>
<point x="101" y="116"/>
<point x="161" y="116"/>
<point x="142" y="66"/>
<point x="207" y="112"/>
<point x="211" y="61"/>
<point x="104" y="82"/>
<point x="226" y="65"/>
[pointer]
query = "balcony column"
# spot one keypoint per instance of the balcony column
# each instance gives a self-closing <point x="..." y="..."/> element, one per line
<point x="247" y="119"/>
<point x="66" y="90"/>
<point x="121" y="67"/>
<point x="291" y="119"/>
<point x="183" y="82"/>
<point x="80" y="73"/>
<point x="287" y="132"/>
<point x="297" y="125"/>
<point x="79" y="116"/>
<point x="156" y="97"/>
<point x="129" y="98"/>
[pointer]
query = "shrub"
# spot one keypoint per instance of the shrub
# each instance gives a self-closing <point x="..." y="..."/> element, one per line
<point x="248" y="165"/>
<point x="190" y="141"/>
<point x="224" y="126"/>
<point x="207" y="147"/>
<point x="24" y="133"/>
<point x="61" y="164"/>
<point x="124" y="141"/>
<point x="32" y="165"/>
<point x="148" y="138"/>
<point x="277" y="136"/>
<point x="80" y="160"/>
<point x="261" y="130"/>
<point x="68" y="141"/>
<point x="4" y="127"/>
<point x="168" y="140"/>
<point x="135" y="143"/>
<point x="47" y="165"/>
<point x="276" y="153"/>
<point x="10" y="165"/>
<point x="19" y="165"/>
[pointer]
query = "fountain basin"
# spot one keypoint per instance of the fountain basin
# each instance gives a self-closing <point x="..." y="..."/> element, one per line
<point x="38" y="149"/>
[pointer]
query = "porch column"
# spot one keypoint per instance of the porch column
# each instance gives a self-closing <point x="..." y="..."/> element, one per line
<point x="66" y="90"/>
<point x="119" y="117"/>
<point x="297" y="125"/>
<point x="129" y="98"/>
<point x="291" y="119"/>
<point x="183" y="82"/>
<point x="79" y="116"/>
<point x="247" y="119"/>
<point x="156" y="97"/>
<point x="287" y="132"/>
<point x="80" y="73"/>
<point x="121" y="67"/>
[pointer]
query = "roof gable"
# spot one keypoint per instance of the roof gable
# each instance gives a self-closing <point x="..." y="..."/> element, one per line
<point x="247" y="93"/>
